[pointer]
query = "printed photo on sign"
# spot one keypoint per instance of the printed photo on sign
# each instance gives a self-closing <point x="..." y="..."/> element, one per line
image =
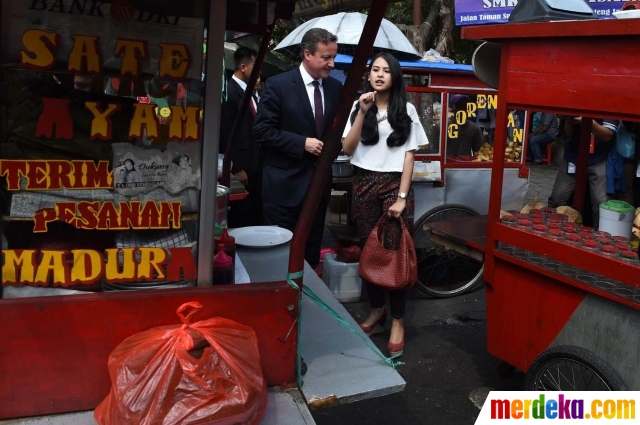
<point x="139" y="170"/>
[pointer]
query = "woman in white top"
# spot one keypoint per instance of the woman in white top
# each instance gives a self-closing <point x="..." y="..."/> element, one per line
<point x="382" y="135"/>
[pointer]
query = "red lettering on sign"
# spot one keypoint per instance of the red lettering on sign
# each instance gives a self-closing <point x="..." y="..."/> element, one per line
<point x="13" y="169"/>
<point x="181" y="260"/>
<point x="55" y="113"/>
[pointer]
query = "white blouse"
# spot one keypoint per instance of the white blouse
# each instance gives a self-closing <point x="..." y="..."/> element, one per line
<point x="380" y="157"/>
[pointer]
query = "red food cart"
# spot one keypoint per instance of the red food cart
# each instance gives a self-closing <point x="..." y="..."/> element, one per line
<point x="565" y="314"/>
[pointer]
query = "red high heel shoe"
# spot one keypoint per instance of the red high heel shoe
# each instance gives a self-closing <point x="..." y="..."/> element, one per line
<point x="396" y="349"/>
<point x="378" y="327"/>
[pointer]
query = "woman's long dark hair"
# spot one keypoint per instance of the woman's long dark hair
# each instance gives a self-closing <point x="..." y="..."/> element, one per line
<point x="133" y="164"/>
<point x="397" y="110"/>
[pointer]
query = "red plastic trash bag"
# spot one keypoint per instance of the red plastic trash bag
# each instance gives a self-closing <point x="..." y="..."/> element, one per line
<point x="155" y="380"/>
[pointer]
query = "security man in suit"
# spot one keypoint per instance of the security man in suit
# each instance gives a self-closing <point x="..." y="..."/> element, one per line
<point x="248" y="159"/>
<point x="294" y="107"/>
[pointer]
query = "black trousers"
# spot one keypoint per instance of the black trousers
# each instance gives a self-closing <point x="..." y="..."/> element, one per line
<point x="248" y="211"/>
<point x="287" y="217"/>
<point x="397" y="299"/>
<point x="373" y="194"/>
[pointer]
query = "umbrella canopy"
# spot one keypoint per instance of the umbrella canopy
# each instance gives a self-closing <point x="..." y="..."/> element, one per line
<point x="348" y="28"/>
<point x="272" y="65"/>
<point x="344" y="62"/>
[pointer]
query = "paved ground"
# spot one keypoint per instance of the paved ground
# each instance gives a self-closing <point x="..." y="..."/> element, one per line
<point x="541" y="182"/>
<point x="447" y="368"/>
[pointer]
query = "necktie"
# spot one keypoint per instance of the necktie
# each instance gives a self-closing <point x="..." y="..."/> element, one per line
<point x="254" y="111"/>
<point x="317" y="102"/>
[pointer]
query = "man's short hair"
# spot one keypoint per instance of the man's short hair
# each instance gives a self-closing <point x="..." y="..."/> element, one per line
<point x="243" y="56"/>
<point x="313" y="37"/>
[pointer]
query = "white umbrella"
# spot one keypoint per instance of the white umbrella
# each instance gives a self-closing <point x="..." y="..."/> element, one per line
<point x="348" y="28"/>
<point x="272" y="64"/>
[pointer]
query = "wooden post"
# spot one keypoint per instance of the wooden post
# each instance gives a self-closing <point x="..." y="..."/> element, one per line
<point x="497" y="167"/>
<point x="582" y="166"/>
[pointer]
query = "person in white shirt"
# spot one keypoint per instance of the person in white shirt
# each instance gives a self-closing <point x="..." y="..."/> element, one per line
<point x="382" y="135"/>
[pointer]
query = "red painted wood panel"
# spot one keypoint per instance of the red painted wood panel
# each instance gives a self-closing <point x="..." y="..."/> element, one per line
<point x="54" y="351"/>
<point x="525" y="312"/>
<point x="567" y="281"/>
<point x="591" y="28"/>
<point x="465" y="81"/>
<point x="571" y="75"/>
<point x="574" y="56"/>
<point x="577" y="257"/>
<point x="497" y="170"/>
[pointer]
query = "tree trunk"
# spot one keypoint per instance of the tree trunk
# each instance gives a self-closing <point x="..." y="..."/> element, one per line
<point x="445" y="38"/>
<point x="307" y="9"/>
<point x="427" y="28"/>
<point x="417" y="12"/>
<point x="420" y="36"/>
<point x="414" y="35"/>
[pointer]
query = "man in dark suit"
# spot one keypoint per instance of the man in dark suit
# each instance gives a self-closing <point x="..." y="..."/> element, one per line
<point x="294" y="107"/>
<point x="248" y="158"/>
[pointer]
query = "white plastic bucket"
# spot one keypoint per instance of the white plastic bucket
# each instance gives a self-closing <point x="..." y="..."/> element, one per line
<point x="342" y="279"/>
<point x="616" y="217"/>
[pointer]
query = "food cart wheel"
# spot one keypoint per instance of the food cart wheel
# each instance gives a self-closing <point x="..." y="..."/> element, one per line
<point x="571" y="368"/>
<point x="444" y="273"/>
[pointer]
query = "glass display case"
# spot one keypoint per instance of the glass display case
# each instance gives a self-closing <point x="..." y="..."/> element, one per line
<point x="101" y="149"/>
<point x="429" y="107"/>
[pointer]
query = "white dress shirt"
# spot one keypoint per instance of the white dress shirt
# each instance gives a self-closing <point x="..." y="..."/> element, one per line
<point x="243" y="86"/>
<point x="380" y="157"/>
<point x="308" y="83"/>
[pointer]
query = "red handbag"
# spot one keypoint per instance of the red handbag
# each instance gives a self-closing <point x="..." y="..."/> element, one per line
<point x="388" y="268"/>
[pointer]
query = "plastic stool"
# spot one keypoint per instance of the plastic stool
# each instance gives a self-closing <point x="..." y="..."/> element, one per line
<point x="549" y="157"/>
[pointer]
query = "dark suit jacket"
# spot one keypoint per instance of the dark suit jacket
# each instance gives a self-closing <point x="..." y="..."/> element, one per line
<point x="247" y="156"/>
<point x="284" y="121"/>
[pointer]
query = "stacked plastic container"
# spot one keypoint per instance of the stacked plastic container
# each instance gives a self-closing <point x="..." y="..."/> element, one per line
<point x="342" y="279"/>
<point x="547" y="223"/>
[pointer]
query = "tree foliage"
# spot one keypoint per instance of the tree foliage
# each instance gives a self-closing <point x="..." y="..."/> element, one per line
<point x="400" y="12"/>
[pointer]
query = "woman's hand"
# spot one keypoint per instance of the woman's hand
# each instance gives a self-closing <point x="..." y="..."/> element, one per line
<point x="366" y="100"/>
<point x="395" y="210"/>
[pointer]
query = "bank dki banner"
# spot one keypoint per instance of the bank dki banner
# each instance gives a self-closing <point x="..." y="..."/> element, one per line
<point x="478" y="12"/>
